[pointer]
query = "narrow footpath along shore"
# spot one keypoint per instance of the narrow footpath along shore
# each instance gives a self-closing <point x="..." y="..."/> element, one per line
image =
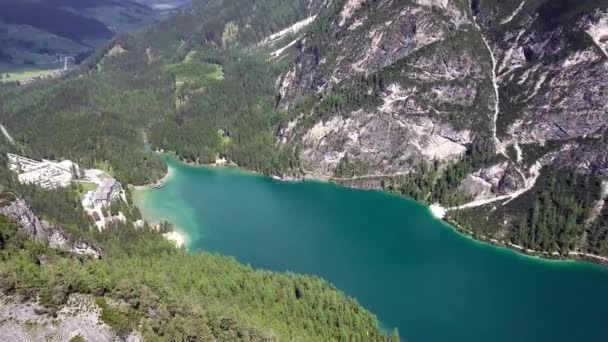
<point x="569" y="256"/>
<point x="440" y="213"/>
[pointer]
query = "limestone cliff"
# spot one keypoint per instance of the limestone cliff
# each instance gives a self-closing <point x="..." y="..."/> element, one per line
<point x="379" y="87"/>
<point x="39" y="230"/>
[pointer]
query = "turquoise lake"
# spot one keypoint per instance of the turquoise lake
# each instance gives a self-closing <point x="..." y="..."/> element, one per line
<point x="413" y="271"/>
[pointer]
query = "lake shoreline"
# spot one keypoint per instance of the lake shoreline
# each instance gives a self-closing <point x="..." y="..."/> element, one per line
<point x="177" y="236"/>
<point x="156" y="185"/>
<point x="384" y="250"/>
<point x="436" y="210"/>
<point x="545" y="256"/>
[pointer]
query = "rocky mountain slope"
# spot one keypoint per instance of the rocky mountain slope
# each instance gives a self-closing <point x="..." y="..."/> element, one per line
<point x="378" y="88"/>
<point x="39" y="230"/>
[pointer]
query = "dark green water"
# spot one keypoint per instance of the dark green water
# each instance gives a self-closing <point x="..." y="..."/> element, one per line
<point x="411" y="270"/>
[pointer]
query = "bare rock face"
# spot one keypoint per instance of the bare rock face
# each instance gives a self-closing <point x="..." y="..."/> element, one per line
<point x="58" y="240"/>
<point x="429" y="79"/>
<point x="442" y="74"/>
<point x="366" y="39"/>
<point x="587" y="157"/>
<point x="18" y="210"/>
<point x="560" y="77"/>
<point x="41" y="231"/>
<point x="496" y="180"/>
<point x="476" y="188"/>
<point x="386" y="143"/>
<point x="28" y="321"/>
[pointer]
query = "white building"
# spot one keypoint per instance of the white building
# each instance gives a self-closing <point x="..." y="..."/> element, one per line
<point x="108" y="190"/>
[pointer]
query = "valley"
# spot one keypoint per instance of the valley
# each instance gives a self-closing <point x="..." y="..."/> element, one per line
<point x="34" y="34"/>
<point x="492" y="113"/>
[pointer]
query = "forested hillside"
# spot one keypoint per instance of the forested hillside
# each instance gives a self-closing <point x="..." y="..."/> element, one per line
<point x="32" y="33"/>
<point x="198" y="90"/>
<point x="145" y="283"/>
<point x="132" y="96"/>
<point x="494" y="109"/>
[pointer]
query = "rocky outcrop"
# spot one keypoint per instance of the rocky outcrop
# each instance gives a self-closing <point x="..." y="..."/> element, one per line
<point x="58" y="240"/>
<point x="386" y="143"/>
<point x="364" y="40"/>
<point x="432" y="85"/>
<point x="589" y="157"/>
<point x="555" y="78"/>
<point x="41" y="231"/>
<point x="28" y="321"/>
<point x="497" y="180"/>
<point x="18" y="210"/>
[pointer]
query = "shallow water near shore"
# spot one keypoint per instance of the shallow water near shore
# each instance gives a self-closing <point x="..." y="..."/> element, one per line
<point x="411" y="270"/>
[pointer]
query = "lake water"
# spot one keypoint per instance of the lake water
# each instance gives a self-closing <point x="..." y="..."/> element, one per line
<point x="411" y="270"/>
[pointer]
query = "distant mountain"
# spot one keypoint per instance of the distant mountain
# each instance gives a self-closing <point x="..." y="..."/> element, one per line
<point x="34" y="31"/>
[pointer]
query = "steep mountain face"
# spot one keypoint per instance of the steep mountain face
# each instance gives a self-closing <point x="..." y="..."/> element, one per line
<point x="378" y="88"/>
<point x="420" y="76"/>
<point x="29" y="321"/>
<point x="435" y="80"/>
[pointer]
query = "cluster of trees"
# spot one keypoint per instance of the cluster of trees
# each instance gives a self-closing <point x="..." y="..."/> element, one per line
<point x="597" y="234"/>
<point x="431" y="184"/>
<point x="145" y="283"/>
<point x="557" y="215"/>
<point x="234" y="117"/>
<point x="563" y="204"/>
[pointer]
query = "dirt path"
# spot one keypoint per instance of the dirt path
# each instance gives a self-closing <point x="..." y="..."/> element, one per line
<point x="517" y="10"/>
<point x="330" y="178"/>
<point x="518" y="248"/>
<point x="530" y="182"/>
<point x="6" y="134"/>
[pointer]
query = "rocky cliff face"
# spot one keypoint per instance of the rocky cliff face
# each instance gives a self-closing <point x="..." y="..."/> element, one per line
<point x="435" y="75"/>
<point x="79" y="317"/>
<point x="18" y="210"/>
<point x="379" y="87"/>
<point x="422" y="73"/>
<point x="41" y="231"/>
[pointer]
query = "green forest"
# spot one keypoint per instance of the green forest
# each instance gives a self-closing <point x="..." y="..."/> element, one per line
<point x="200" y="86"/>
<point x="144" y="282"/>
<point x="550" y="218"/>
<point x="189" y="86"/>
